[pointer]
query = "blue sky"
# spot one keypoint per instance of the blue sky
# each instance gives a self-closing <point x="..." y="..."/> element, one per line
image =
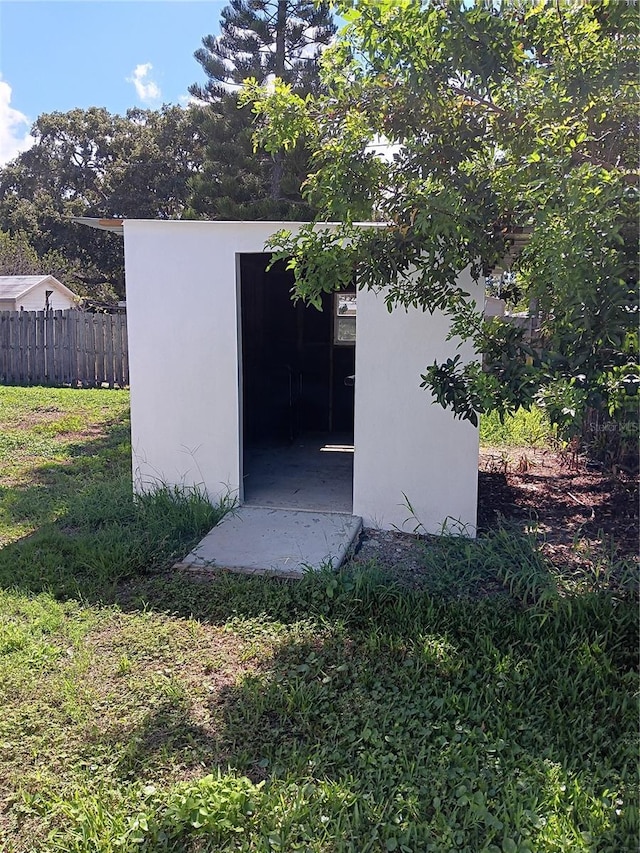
<point x="59" y="54"/>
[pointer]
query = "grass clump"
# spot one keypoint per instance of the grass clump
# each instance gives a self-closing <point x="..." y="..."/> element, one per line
<point x="108" y="535"/>
<point x="525" y="428"/>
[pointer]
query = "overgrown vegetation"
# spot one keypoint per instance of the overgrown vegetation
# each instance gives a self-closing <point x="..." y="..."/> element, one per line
<point x="525" y="428"/>
<point x="144" y="710"/>
<point x="493" y="132"/>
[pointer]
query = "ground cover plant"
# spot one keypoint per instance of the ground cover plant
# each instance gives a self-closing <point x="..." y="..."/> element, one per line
<point x="141" y="709"/>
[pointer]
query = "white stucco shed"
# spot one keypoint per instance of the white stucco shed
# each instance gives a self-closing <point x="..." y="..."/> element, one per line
<point x="234" y="361"/>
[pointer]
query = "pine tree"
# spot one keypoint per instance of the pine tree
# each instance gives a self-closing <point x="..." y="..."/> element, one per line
<point x="258" y="38"/>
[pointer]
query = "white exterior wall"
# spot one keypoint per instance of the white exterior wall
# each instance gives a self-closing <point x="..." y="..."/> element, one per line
<point x="410" y="452"/>
<point x="182" y="321"/>
<point x="182" y="317"/>
<point x="34" y="300"/>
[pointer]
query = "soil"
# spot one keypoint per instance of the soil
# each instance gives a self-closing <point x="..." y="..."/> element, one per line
<point x="568" y="498"/>
<point x="579" y="512"/>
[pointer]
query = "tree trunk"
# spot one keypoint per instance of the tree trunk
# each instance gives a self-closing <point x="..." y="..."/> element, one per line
<point x="277" y="166"/>
<point x="281" y="30"/>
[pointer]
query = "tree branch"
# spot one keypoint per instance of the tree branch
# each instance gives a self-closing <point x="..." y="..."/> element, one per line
<point x="478" y="100"/>
<point x="564" y="29"/>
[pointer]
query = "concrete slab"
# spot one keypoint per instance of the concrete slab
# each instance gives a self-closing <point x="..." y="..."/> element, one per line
<point x="282" y="542"/>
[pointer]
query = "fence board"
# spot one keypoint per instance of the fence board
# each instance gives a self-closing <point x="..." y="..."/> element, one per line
<point x="3" y="355"/>
<point x="6" y="341"/>
<point x="117" y="352"/>
<point x="61" y="330"/>
<point x="54" y="351"/>
<point x="30" y="347"/>
<point x="38" y="360"/>
<point x="56" y="377"/>
<point x="108" y="354"/>
<point x="14" y="353"/>
<point x="72" y="325"/>
<point x="22" y="349"/>
<point x="124" y="349"/>
<point x="48" y="349"/>
<point x="99" y="330"/>
<point x="83" y="344"/>
<point x="63" y="348"/>
<point x="65" y="363"/>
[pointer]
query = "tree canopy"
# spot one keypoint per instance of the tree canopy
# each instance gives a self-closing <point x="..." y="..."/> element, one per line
<point x="93" y="163"/>
<point x="258" y="39"/>
<point x="17" y="255"/>
<point x="499" y="118"/>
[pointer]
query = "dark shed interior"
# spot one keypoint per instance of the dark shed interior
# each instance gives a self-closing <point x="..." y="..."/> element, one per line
<point x="298" y="367"/>
<point x="295" y="376"/>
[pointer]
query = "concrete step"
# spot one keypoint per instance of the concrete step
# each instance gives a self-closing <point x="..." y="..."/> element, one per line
<point x="282" y="542"/>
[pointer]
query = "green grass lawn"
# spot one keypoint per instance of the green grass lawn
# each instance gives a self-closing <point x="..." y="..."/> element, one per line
<point x="145" y="711"/>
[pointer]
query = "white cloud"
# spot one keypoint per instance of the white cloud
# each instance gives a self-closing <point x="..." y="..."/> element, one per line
<point x="14" y="127"/>
<point x="187" y="101"/>
<point x="146" y="88"/>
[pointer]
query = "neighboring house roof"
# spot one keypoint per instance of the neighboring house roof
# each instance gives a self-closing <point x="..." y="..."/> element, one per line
<point x="17" y="286"/>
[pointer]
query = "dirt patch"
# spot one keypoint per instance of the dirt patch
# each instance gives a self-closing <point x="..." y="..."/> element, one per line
<point x="580" y="513"/>
<point x="572" y="503"/>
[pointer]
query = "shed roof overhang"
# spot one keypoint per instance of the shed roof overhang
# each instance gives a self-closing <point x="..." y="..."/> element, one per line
<point x="116" y="226"/>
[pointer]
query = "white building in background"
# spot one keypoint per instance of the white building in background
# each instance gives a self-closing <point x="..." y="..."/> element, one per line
<point x="35" y="293"/>
<point x="212" y="340"/>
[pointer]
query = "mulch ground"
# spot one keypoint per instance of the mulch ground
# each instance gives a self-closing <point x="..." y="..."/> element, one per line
<point x="581" y="514"/>
<point x="568" y="499"/>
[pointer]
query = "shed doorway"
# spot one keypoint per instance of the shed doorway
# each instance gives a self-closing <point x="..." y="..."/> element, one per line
<point x="297" y="378"/>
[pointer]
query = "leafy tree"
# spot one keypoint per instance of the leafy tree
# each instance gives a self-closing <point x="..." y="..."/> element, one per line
<point x="258" y="39"/>
<point x="92" y="163"/>
<point x="503" y="118"/>
<point x="17" y="255"/>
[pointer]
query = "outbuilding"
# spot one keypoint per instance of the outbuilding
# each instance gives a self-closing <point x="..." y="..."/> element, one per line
<point x="238" y="390"/>
<point x="35" y="293"/>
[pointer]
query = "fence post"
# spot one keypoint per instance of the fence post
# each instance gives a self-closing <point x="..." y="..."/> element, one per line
<point x="3" y="348"/>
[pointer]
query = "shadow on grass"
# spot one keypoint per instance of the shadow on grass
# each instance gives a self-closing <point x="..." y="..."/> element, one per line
<point x="416" y="705"/>
<point x="474" y="726"/>
<point x="168" y="738"/>
<point x="54" y="486"/>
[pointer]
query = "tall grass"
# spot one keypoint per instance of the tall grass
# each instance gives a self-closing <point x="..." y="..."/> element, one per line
<point x="525" y="428"/>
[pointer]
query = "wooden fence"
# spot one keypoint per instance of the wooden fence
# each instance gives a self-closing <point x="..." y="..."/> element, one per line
<point x="63" y="348"/>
